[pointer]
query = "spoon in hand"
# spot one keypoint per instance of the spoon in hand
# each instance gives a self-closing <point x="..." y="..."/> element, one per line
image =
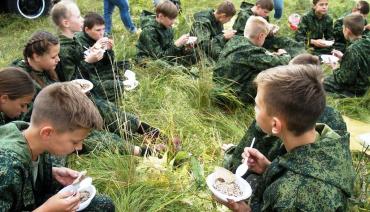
<point x="243" y="168"/>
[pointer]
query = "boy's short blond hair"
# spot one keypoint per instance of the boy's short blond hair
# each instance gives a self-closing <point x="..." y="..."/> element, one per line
<point x="227" y="8"/>
<point x="265" y="4"/>
<point x="256" y="25"/>
<point x="62" y="10"/>
<point x="305" y="59"/>
<point x="355" y="23"/>
<point x="66" y="108"/>
<point x="167" y="8"/>
<point x="294" y="93"/>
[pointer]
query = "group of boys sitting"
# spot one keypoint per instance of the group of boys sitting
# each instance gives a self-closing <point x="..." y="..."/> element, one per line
<point x="294" y="157"/>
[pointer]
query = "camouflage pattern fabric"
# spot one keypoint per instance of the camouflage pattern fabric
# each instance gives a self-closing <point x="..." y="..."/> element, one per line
<point x="340" y="41"/>
<point x="157" y="42"/>
<point x="2" y="119"/>
<point x="270" y="146"/>
<point x="352" y="77"/>
<point x="311" y="27"/>
<point x="239" y="62"/>
<point x="272" y="42"/>
<point x="103" y="74"/>
<point x="307" y="179"/>
<point x="209" y="33"/>
<point x="17" y="192"/>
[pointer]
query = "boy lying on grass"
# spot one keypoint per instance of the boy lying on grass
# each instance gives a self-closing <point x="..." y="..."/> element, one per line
<point x="62" y="118"/>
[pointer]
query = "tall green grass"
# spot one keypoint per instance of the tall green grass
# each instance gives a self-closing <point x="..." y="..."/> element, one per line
<point x="179" y="101"/>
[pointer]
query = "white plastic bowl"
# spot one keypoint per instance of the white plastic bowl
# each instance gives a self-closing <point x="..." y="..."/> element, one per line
<point x="365" y="140"/>
<point x="87" y="83"/>
<point x="329" y="59"/>
<point x="243" y="184"/>
<point x="192" y="40"/>
<point x="327" y="42"/>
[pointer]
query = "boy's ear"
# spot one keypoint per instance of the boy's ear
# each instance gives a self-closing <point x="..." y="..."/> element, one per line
<point x="4" y="98"/>
<point x="65" y="23"/>
<point x="46" y="132"/>
<point x="277" y="125"/>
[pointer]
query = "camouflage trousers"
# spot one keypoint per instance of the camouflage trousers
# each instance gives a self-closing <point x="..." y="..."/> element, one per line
<point x="100" y="203"/>
<point x="336" y="90"/>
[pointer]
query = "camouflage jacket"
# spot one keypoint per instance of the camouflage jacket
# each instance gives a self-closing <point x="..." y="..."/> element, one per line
<point x="2" y="119"/>
<point x="156" y="41"/>
<point x="71" y="58"/>
<point x="209" y="33"/>
<point x="243" y="16"/>
<point x="353" y="74"/>
<point x="17" y="191"/>
<point x="312" y="177"/>
<point x="270" y="146"/>
<point x="240" y="61"/>
<point x="311" y="27"/>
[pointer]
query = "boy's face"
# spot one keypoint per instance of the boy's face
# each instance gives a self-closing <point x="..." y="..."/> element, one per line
<point x="75" y="21"/>
<point x="223" y="19"/>
<point x="261" y="12"/>
<point x="14" y="108"/>
<point x="321" y="8"/>
<point x="66" y="142"/>
<point x="96" y="32"/>
<point x="165" y="21"/>
<point x="49" y="60"/>
<point x="262" y="118"/>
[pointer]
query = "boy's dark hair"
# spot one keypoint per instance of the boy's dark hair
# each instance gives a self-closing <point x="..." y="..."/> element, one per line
<point x="66" y="107"/>
<point x="295" y="93"/>
<point x="362" y="7"/>
<point x="265" y="4"/>
<point x="355" y="23"/>
<point x="91" y="19"/>
<point x="15" y="83"/>
<point x="61" y="11"/>
<point x="226" y="7"/>
<point x="167" y="8"/>
<point x="305" y="59"/>
<point x="39" y="44"/>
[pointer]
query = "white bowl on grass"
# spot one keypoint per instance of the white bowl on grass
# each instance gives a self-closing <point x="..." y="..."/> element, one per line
<point x="243" y="185"/>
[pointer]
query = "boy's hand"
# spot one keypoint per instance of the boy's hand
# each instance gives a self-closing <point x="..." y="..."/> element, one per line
<point x="367" y="27"/>
<point x="240" y="206"/>
<point x="228" y="34"/>
<point x="61" y="202"/>
<point x="256" y="161"/>
<point x="110" y="44"/>
<point x="94" y="56"/>
<point x="182" y="40"/>
<point x="337" y="53"/>
<point x="64" y="176"/>
<point x="318" y="43"/>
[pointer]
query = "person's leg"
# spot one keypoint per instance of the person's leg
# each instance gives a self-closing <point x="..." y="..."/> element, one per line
<point x="100" y="203"/>
<point x="124" y="8"/>
<point x="108" y="11"/>
<point x="278" y="7"/>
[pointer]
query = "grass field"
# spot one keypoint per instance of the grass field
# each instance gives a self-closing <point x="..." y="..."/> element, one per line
<point x="179" y="104"/>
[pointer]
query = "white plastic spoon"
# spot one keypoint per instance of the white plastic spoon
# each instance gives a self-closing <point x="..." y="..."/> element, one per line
<point x="243" y="168"/>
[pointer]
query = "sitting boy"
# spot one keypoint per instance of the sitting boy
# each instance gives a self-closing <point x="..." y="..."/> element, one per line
<point x="62" y="118"/>
<point x="316" y="27"/>
<point x="208" y="28"/>
<point x="289" y="101"/>
<point x="156" y="38"/>
<point x="362" y="7"/>
<point x="102" y="73"/>
<point x="244" y="57"/>
<point x="273" y="42"/>
<point x="352" y="77"/>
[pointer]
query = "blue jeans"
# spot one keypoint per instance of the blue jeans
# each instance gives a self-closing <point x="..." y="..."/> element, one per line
<point x="278" y="6"/>
<point x="124" y="12"/>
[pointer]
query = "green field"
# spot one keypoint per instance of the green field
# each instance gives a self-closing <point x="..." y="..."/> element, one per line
<point x="179" y="103"/>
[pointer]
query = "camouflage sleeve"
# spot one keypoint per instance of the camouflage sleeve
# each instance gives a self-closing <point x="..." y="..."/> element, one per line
<point x="329" y="33"/>
<point x="69" y="60"/>
<point x="302" y="32"/>
<point x="338" y="30"/>
<point x="10" y="184"/>
<point x="239" y="23"/>
<point x="149" y="40"/>
<point x="346" y="74"/>
<point x="262" y="61"/>
<point x="212" y="46"/>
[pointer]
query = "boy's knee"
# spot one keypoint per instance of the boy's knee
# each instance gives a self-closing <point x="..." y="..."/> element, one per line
<point x="101" y="203"/>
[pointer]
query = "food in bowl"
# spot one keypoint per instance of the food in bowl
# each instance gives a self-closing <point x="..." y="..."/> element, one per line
<point x="227" y="188"/>
<point x="84" y="195"/>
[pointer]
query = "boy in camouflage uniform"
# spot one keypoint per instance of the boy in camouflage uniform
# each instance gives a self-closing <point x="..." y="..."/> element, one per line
<point x="208" y="28"/>
<point x="362" y="7"/>
<point x="156" y="38"/>
<point x="315" y="27"/>
<point x="273" y="42"/>
<point x="243" y="58"/>
<point x="289" y="101"/>
<point x="27" y="174"/>
<point x="352" y="77"/>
